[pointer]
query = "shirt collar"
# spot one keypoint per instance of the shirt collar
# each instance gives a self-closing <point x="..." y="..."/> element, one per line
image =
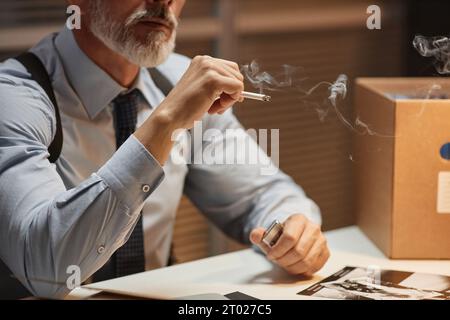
<point x="95" y="88"/>
<point x="145" y="84"/>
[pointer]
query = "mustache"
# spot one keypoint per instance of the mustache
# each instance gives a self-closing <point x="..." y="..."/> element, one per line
<point x="160" y="12"/>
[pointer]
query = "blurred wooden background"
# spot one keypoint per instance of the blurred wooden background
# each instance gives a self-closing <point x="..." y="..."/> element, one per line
<point x="324" y="37"/>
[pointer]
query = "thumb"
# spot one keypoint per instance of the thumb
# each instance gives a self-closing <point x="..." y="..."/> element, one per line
<point x="256" y="236"/>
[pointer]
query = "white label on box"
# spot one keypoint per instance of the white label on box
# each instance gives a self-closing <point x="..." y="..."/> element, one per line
<point x="443" y="196"/>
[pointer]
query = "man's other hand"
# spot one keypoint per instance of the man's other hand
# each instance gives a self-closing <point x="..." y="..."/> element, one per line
<point x="302" y="248"/>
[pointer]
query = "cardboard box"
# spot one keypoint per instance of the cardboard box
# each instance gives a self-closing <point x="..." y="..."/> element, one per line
<point x="402" y="181"/>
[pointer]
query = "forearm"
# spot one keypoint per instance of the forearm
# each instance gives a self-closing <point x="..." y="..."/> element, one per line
<point x="54" y="242"/>
<point x="239" y="198"/>
<point x="280" y="198"/>
<point x="52" y="228"/>
<point x="156" y="134"/>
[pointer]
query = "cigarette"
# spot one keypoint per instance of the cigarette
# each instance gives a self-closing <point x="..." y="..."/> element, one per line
<point x="256" y="96"/>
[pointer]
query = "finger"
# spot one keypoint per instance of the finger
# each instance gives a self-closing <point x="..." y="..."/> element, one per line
<point x="226" y="69"/>
<point x="299" y="252"/>
<point x="297" y="268"/>
<point x="309" y="236"/>
<point x="238" y="97"/>
<point x="227" y="100"/>
<point x="322" y="259"/>
<point x="223" y="110"/>
<point x="222" y="104"/>
<point x="216" y="106"/>
<point x="256" y="238"/>
<point x="315" y="261"/>
<point x="229" y="85"/>
<point x="236" y="73"/>
<point x="312" y="262"/>
<point x="292" y="230"/>
<point x="296" y="254"/>
<point x="229" y="63"/>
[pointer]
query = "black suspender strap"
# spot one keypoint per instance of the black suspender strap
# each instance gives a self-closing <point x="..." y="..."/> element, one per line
<point x="161" y="81"/>
<point x="39" y="74"/>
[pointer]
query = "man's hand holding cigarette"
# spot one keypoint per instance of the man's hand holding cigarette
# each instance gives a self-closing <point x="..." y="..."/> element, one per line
<point x="194" y="95"/>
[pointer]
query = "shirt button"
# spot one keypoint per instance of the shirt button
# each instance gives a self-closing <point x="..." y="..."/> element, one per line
<point x="145" y="188"/>
<point x="101" y="249"/>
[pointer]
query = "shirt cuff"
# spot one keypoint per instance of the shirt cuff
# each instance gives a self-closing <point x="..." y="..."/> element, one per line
<point x="132" y="173"/>
<point x="304" y="206"/>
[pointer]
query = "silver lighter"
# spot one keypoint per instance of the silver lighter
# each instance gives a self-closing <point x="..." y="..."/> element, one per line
<point x="273" y="233"/>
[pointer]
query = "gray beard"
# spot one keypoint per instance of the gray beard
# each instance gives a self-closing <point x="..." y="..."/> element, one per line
<point x="121" y="39"/>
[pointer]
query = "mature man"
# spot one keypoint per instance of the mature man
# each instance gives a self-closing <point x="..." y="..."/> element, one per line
<point x="85" y="210"/>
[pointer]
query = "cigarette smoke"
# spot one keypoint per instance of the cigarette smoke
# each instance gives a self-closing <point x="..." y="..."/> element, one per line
<point x="285" y="81"/>
<point x="435" y="47"/>
<point x="338" y="89"/>
<point x="433" y="90"/>
<point x="438" y="48"/>
<point x="262" y="80"/>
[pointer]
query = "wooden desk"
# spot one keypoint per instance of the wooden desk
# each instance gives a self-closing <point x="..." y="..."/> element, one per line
<point x="249" y="272"/>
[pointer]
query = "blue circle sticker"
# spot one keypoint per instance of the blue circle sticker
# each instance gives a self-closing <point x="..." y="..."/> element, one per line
<point x="445" y="151"/>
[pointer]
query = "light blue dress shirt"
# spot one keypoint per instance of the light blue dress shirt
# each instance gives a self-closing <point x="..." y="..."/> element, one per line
<point x="81" y="209"/>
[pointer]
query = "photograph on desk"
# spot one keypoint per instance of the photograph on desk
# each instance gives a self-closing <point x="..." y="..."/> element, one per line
<point x="354" y="283"/>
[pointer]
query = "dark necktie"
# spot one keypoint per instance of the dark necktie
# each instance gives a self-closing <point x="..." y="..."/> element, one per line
<point x="129" y="258"/>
